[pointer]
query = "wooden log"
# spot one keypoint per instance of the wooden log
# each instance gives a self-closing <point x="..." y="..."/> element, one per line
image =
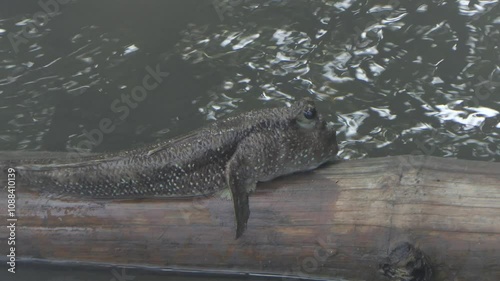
<point x="340" y="220"/>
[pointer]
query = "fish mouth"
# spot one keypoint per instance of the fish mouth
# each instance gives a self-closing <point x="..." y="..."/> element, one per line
<point x="330" y="126"/>
<point x="331" y="130"/>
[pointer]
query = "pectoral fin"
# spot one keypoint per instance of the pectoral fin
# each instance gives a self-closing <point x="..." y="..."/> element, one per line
<point x="240" y="182"/>
<point x="241" y="210"/>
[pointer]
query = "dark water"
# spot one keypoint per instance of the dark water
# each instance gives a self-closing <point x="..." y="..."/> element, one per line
<point x="418" y="77"/>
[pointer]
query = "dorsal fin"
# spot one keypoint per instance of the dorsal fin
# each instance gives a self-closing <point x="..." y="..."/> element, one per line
<point x="169" y="143"/>
<point x="45" y="167"/>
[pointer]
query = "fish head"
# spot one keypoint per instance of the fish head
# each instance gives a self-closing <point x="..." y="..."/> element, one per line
<point x="310" y="140"/>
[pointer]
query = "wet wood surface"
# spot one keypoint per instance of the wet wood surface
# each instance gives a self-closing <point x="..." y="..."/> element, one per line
<point x="338" y="221"/>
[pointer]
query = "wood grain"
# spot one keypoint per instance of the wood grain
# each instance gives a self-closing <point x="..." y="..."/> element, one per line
<point x="341" y="220"/>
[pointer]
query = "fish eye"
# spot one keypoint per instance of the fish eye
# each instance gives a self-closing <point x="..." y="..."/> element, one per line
<point x="310" y="113"/>
<point x="308" y="118"/>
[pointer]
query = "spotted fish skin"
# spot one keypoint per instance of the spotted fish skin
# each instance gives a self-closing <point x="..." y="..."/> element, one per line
<point x="186" y="167"/>
<point x="233" y="153"/>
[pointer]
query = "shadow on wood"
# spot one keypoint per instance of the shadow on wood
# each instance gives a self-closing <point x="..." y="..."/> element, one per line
<point x="341" y="220"/>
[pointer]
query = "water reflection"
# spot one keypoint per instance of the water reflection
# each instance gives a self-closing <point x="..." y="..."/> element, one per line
<point x="395" y="78"/>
